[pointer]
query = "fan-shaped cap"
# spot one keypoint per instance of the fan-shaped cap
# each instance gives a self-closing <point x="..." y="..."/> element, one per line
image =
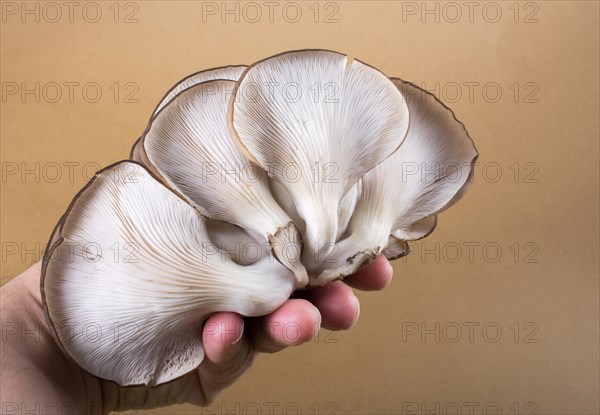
<point x="317" y="123"/>
<point x="189" y="145"/>
<point x="401" y="196"/>
<point x="231" y="73"/>
<point x="132" y="275"/>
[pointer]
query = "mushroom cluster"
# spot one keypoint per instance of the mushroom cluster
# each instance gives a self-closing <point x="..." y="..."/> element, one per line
<point x="247" y="184"/>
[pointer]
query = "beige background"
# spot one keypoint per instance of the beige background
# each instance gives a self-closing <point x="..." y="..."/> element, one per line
<point x="535" y="196"/>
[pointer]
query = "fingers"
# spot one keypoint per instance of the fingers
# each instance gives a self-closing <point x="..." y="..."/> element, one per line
<point x="376" y="276"/>
<point x="221" y="336"/>
<point x="297" y="321"/>
<point x="337" y="304"/>
<point x="228" y="353"/>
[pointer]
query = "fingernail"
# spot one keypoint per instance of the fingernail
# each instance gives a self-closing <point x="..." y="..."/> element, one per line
<point x="239" y="338"/>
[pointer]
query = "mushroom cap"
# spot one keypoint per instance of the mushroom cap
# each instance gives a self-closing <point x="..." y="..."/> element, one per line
<point x="231" y="72"/>
<point x="402" y="196"/>
<point x="189" y="146"/>
<point x="132" y="275"/>
<point x="317" y="123"/>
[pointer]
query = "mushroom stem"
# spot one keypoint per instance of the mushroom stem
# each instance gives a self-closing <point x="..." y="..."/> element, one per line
<point x="286" y="245"/>
<point x="345" y="260"/>
<point x="321" y="233"/>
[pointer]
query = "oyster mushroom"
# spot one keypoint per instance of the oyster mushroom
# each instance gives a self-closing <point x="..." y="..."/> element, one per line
<point x="317" y="123"/>
<point x="132" y="275"/>
<point x="401" y="196"/>
<point x="242" y="247"/>
<point x="189" y="146"/>
<point x="303" y="150"/>
<point x="229" y="73"/>
<point x="232" y="73"/>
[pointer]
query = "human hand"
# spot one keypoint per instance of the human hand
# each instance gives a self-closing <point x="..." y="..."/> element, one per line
<point x="37" y="376"/>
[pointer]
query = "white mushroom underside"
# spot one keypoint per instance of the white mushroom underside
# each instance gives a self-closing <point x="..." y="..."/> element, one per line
<point x="190" y="146"/>
<point x="401" y="195"/>
<point x="318" y="123"/>
<point x="129" y="302"/>
<point x="231" y="73"/>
